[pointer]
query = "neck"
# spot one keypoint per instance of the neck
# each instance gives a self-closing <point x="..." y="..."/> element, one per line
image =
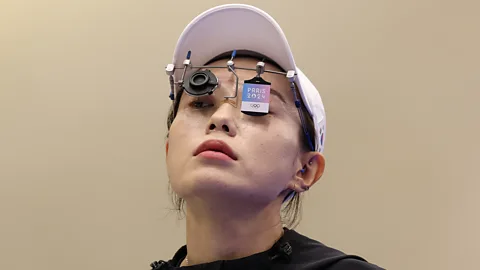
<point x="217" y="233"/>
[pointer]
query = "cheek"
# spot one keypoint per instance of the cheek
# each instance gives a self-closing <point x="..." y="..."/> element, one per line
<point x="273" y="154"/>
<point x="279" y="139"/>
<point x="185" y="125"/>
<point x="183" y="136"/>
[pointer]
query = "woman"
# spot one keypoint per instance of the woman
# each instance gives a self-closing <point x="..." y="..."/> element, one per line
<point x="246" y="136"/>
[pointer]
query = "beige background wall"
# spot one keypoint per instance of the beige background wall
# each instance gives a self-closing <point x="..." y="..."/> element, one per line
<point x="83" y="101"/>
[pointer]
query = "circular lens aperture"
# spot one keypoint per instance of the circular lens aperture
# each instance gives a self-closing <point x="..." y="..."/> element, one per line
<point x="201" y="83"/>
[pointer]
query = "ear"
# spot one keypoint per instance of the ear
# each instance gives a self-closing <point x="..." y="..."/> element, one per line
<point x="313" y="166"/>
<point x="166" y="147"/>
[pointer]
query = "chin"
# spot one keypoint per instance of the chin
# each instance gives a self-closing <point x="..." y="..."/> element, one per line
<point x="207" y="182"/>
<point x="223" y="187"/>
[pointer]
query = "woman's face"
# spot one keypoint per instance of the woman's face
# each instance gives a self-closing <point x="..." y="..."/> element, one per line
<point x="267" y="148"/>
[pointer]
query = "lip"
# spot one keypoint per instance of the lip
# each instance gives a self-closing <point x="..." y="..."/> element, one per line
<point x="218" y="146"/>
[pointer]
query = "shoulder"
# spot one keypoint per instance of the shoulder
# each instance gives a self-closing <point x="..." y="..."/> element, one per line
<point x="309" y="253"/>
<point x="354" y="264"/>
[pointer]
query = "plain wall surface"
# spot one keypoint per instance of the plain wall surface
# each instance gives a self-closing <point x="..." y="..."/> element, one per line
<point x="83" y="106"/>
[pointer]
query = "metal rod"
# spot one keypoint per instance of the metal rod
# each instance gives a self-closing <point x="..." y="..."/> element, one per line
<point x="236" y="84"/>
<point x="253" y="69"/>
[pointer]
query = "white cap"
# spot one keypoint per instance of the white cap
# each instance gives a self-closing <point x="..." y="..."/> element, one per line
<point x="243" y="27"/>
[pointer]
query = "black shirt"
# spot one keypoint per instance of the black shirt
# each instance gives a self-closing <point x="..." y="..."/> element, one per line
<point x="292" y="251"/>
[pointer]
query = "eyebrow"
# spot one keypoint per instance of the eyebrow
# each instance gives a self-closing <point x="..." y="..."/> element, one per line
<point x="275" y="92"/>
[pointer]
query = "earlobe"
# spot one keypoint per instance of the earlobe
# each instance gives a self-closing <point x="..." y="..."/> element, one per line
<point x="166" y="147"/>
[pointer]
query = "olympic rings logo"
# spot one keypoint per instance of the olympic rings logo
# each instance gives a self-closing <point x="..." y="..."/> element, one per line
<point x="255" y="105"/>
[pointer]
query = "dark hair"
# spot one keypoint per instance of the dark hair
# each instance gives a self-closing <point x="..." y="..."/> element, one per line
<point x="291" y="211"/>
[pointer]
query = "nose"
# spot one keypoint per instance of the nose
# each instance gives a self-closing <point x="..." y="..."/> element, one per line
<point x="222" y="120"/>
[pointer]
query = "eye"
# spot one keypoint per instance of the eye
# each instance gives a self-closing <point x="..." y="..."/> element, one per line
<point x="200" y="104"/>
